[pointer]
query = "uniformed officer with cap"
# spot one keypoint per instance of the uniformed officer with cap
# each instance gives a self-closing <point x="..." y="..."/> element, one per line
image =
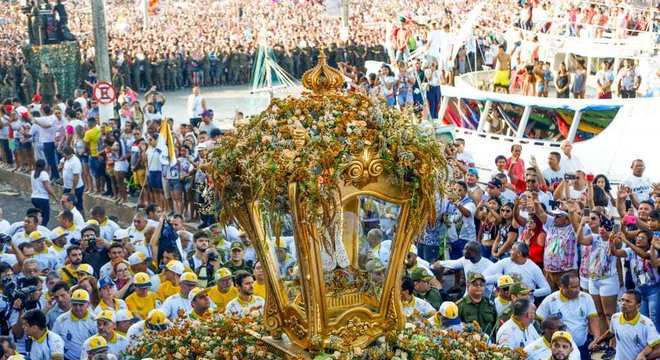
<point x="517" y="291"/>
<point x="422" y="278"/>
<point x="503" y="299"/>
<point x="474" y="306"/>
<point x="76" y="325"/>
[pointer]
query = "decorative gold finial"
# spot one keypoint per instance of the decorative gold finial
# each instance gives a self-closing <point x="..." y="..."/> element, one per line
<point x="323" y="78"/>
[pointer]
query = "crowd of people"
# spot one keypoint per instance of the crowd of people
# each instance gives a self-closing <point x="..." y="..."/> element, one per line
<point x="185" y="45"/>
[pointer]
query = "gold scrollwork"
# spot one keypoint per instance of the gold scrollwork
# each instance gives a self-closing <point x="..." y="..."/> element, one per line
<point x="364" y="169"/>
<point x="293" y="323"/>
<point x="353" y="330"/>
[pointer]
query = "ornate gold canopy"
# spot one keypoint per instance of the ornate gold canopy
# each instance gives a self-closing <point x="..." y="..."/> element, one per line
<point x="332" y="189"/>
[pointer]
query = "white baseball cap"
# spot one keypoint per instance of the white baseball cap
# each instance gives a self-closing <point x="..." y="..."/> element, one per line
<point x="120" y="234"/>
<point x="136" y="258"/>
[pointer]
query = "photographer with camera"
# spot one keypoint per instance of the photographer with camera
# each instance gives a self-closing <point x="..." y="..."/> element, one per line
<point x="205" y="261"/>
<point x="93" y="247"/>
<point x="19" y="295"/>
<point x="5" y="241"/>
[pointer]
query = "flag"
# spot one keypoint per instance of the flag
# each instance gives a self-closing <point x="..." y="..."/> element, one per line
<point x="166" y="144"/>
<point x="153" y="6"/>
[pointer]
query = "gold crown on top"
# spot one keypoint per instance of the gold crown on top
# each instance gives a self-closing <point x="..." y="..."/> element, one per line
<point x="323" y="78"/>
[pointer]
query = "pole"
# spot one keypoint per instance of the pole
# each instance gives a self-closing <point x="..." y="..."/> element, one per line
<point x="343" y="33"/>
<point x="101" y="53"/>
<point x="145" y="14"/>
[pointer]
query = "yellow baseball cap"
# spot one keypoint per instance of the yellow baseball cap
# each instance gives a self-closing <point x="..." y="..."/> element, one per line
<point x="175" y="266"/>
<point x="449" y="310"/>
<point x="80" y="296"/>
<point x="37" y="236"/>
<point x="223" y="273"/>
<point x="504" y="281"/>
<point x="562" y="335"/>
<point x="108" y="315"/>
<point x="16" y="357"/>
<point x="92" y="222"/>
<point x="156" y="317"/>
<point x="86" y="268"/>
<point x="413" y="249"/>
<point x="141" y="280"/>
<point x="195" y="292"/>
<point x="189" y="277"/>
<point x="59" y="232"/>
<point x="97" y="343"/>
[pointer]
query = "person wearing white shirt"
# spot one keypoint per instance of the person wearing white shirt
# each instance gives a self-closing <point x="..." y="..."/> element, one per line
<point x="554" y="174"/>
<point x="638" y="183"/>
<point x="41" y="190"/>
<point x="518" y="331"/>
<point x="46" y="128"/>
<point x="576" y="309"/>
<point x="179" y="303"/>
<point x="107" y="227"/>
<point x="68" y="202"/>
<point x="46" y="345"/>
<point x="636" y="336"/>
<point x="75" y="325"/>
<point x="569" y="163"/>
<point x="471" y="262"/>
<point x="246" y="302"/>
<point x="196" y="106"/>
<point x="72" y="176"/>
<point x="466" y="207"/>
<point x="414" y="307"/>
<point x="4" y="224"/>
<point x="105" y="324"/>
<point x="46" y="257"/>
<point x="521" y="268"/>
<point x="540" y="349"/>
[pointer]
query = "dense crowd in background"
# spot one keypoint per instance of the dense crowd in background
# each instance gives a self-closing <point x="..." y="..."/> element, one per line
<point x="541" y="253"/>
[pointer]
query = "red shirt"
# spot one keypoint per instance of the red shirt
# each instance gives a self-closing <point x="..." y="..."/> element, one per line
<point x="517" y="174"/>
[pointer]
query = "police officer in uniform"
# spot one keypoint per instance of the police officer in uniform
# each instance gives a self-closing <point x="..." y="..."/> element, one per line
<point x="475" y="306"/>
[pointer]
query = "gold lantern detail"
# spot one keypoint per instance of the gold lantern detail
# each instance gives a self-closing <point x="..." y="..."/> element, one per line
<point x="332" y="189"/>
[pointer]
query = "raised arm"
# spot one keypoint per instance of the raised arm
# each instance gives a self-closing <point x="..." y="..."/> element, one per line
<point x="583" y="239"/>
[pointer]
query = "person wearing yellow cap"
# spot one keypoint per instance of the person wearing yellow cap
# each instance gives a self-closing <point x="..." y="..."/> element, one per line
<point x="75" y="325"/>
<point x="224" y="290"/>
<point x="518" y="331"/>
<point x="636" y="336"/>
<point x="246" y="302"/>
<point x="46" y="344"/>
<point x="95" y="345"/>
<point x="179" y="304"/>
<point x="447" y="317"/>
<point x="58" y="247"/>
<point x="156" y="321"/>
<point x="540" y="349"/>
<point x="84" y="270"/>
<point x="142" y="300"/>
<point x="503" y="299"/>
<point x="123" y="321"/>
<point x="259" y="280"/>
<point x="170" y="284"/>
<point x="44" y="256"/>
<point x="200" y="304"/>
<point x="105" y="325"/>
<point x="562" y="345"/>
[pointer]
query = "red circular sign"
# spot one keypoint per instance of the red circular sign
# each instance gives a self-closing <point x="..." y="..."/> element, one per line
<point x="104" y="93"/>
